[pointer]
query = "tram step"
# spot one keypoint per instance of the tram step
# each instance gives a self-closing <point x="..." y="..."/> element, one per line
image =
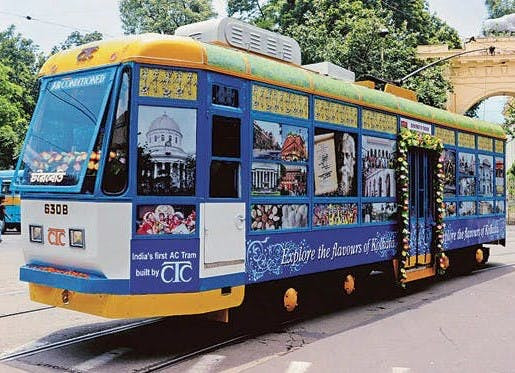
<point x="420" y="273"/>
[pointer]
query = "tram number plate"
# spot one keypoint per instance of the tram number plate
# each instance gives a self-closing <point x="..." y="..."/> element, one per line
<point x="56" y="209"/>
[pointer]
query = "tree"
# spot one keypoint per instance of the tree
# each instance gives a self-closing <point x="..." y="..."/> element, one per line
<point x="473" y="111"/>
<point x="19" y="63"/>
<point x="21" y="55"/>
<point x="12" y="118"/>
<point x="76" y="39"/>
<point x="346" y="33"/>
<point x="499" y="8"/>
<point x="162" y="16"/>
<point x="509" y="117"/>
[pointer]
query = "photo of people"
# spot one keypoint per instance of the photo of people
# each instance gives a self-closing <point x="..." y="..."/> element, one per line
<point x="334" y="214"/>
<point x="278" y="216"/>
<point x="277" y="179"/>
<point x="467" y="208"/>
<point x="166" y="219"/>
<point x="166" y="150"/>
<point x="449" y="169"/>
<point x="467" y="164"/>
<point x="335" y="163"/>
<point x="485" y="175"/>
<point x="280" y="142"/>
<point x="379" y="212"/>
<point x="378" y="157"/>
<point x="499" y="176"/>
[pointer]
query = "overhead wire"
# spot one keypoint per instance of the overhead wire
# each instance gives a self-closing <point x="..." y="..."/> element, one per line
<point x="30" y="18"/>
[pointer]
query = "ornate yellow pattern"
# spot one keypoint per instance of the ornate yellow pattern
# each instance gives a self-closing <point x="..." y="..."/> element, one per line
<point x="466" y="140"/>
<point x="332" y="112"/>
<point x="163" y="83"/>
<point x="279" y="102"/>
<point x="447" y="136"/>
<point x="499" y="148"/>
<point x="484" y="143"/>
<point x="373" y="120"/>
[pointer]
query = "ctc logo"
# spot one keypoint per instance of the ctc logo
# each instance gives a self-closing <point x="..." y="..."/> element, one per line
<point x="56" y="236"/>
<point x="176" y="272"/>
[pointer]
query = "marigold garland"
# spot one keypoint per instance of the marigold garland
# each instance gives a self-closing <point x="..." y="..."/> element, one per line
<point x="409" y="139"/>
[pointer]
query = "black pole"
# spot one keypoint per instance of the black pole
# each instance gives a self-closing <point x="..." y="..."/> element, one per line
<point x="490" y="49"/>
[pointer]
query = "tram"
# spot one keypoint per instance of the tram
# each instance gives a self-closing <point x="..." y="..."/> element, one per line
<point x="11" y="201"/>
<point x="170" y="175"/>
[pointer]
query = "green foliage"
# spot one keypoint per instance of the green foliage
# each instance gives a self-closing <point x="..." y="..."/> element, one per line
<point x="499" y="8"/>
<point x="19" y="63"/>
<point x="76" y="39"/>
<point x="22" y="57"/>
<point x="345" y="32"/>
<point x="12" y="118"/>
<point x="509" y="117"/>
<point x="162" y="16"/>
<point x="473" y="111"/>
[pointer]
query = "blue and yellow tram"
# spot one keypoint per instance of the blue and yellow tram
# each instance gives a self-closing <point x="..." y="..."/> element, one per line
<point x="163" y="175"/>
<point x="11" y="201"/>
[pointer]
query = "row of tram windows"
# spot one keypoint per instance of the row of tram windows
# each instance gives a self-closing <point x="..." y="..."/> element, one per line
<point x="474" y="182"/>
<point x="298" y="175"/>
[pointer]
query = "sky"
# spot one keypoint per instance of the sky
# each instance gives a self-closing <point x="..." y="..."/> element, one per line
<point x="53" y="20"/>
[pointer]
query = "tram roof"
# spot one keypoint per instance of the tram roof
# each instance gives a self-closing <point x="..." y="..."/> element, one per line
<point x="185" y="52"/>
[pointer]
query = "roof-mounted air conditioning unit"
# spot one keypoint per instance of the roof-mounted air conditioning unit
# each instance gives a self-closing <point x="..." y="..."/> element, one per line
<point x="241" y="35"/>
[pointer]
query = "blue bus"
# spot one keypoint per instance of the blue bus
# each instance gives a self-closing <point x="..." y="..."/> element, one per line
<point x="11" y="201"/>
<point x="163" y="175"/>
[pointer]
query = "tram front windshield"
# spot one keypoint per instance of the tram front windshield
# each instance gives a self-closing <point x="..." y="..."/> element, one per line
<point x="63" y="130"/>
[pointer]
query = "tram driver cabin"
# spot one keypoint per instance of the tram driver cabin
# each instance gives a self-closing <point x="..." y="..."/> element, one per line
<point x="169" y="175"/>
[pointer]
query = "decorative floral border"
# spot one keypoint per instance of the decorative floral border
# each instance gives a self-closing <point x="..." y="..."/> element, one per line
<point x="407" y="139"/>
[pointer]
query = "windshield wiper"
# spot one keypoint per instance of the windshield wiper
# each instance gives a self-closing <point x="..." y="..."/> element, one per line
<point x="89" y="115"/>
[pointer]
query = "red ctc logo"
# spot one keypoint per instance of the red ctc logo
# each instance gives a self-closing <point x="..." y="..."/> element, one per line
<point x="56" y="236"/>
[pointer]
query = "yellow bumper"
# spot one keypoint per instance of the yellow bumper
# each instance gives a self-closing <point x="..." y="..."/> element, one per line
<point x="135" y="306"/>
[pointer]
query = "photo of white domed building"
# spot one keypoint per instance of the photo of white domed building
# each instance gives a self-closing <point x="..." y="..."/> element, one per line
<point x="166" y="144"/>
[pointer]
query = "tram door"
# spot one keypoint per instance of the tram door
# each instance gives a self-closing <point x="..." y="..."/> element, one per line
<point x="421" y="207"/>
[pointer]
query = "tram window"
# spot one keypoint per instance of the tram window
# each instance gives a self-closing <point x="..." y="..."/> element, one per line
<point x="116" y="170"/>
<point x="88" y="186"/>
<point x="224" y="179"/>
<point x="225" y="96"/>
<point x="226" y="137"/>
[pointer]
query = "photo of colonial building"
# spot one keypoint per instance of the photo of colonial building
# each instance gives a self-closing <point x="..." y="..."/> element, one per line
<point x="166" y="151"/>
<point x="378" y="169"/>
<point x="485" y="175"/>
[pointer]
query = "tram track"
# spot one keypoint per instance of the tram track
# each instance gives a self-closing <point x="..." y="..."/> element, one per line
<point x="74" y="340"/>
<point x="234" y="339"/>
<point x="13" y="314"/>
<point x="166" y="362"/>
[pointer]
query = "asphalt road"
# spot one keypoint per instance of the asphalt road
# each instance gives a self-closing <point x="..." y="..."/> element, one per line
<point x="460" y="324"/>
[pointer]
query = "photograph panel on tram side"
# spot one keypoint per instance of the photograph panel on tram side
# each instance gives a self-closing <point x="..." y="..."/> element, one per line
<point x="335" y="163"/>
<point x="275" y="141"/>
<point x="166" y="151"/>
<point x="278" y="179"/>
<point x="378" y="157"/>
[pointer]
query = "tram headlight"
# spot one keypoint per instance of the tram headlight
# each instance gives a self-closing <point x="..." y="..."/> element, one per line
<point x="36" y="233"/>
<point x="76" y="237"/>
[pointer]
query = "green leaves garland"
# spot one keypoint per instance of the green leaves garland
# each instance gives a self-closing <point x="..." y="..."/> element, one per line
<point x="409" y="139"/>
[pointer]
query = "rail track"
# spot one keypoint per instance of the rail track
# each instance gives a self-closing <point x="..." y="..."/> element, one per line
<point x="26" y="311"/>
<point x="78" y="339"/>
